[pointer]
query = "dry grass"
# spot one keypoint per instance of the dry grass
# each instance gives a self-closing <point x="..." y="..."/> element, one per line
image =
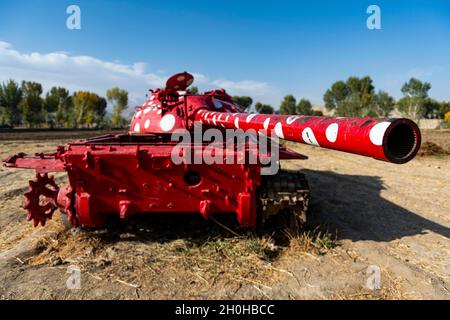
<point x="138" y="255"/>
<point x="391" y="289"/>
<point x="317" y="240"/>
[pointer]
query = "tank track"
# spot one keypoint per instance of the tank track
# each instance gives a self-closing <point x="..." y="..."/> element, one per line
<point x="284" y="197"/>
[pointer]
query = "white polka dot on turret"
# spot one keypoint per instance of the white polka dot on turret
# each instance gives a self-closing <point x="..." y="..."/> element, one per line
<point x="291" y="119"/>
<point x="138" y="114"/>
<point x="279" y="130"/>
<point x="180" y="78"/>
<point x="376" y="134"/>
<point x="147" y="124"/>
<point x="137" y="128"/>
<point x="332" y="132"/>
<point x="266" y="124"/>
<point x="147" y="110"/>
<point x="236" y="123"/>
<point x="250" y="117"/>
<point x="309" y="137"/>
<point x="167" y="122"/>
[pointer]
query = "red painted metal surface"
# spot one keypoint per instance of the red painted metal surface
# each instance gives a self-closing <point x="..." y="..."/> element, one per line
<point x="133" y="173"/>
<point x="393" y="140"/>
<point x="130" y="179"/>
<point x="41" y="162"/>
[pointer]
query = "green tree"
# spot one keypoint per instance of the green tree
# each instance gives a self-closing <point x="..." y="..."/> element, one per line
<point x="243" y="101"/>
<point x="100" y="111"/>
<point x="383" y="104"/>
<point x="317" y="113"/>
<point x="32" y="104"/>
<point x="58" y="102"/>
<point x="192" y="90"/>
<point x="335" y="97"/>
<point x="119" y="99"/>
<point x="10" y="97"/>
<point x="89" y="109"/>
<point x="106" y="122"/>
<point x="432" y="109"/>
<point x="4" y="117"/>
<point x="288" y="105"/>
<point x="304" y="107"/>
<point x="263" y="108"/>
<point x="415" y="95"/>
<point x="353" y="98"/>
<point x="363" y="89"/>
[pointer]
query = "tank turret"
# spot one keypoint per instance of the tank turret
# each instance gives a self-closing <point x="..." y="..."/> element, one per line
<point x="394" y="140"/>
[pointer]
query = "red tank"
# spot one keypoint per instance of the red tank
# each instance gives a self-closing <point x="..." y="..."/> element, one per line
<point x="200" y="153"/>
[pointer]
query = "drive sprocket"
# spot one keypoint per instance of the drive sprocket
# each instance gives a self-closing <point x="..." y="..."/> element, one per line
<point x="41" y="199"/>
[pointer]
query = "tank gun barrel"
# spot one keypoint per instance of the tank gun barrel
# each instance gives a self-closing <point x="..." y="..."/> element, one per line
<point x="394" y="140"/>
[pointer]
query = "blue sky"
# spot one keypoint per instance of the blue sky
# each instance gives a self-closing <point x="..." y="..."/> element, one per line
<point x="266" y="49"/>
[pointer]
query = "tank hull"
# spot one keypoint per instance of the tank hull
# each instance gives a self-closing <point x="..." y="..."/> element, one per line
<point x="128" y="179"/>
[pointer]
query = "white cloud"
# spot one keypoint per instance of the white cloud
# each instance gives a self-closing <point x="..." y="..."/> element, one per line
<point x="89" y="73"/>
<point x="76" y="72"/>
<point x="250" y="87"/>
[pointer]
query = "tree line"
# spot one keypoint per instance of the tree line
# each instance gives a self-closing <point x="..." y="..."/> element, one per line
<point x="26" y="105"/>
<point x="356" y="97"/>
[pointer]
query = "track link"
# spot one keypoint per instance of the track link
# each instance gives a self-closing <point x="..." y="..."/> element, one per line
<point x="284" y="196"/>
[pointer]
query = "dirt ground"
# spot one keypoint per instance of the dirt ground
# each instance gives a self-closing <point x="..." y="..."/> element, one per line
<point x="365" y="214"/>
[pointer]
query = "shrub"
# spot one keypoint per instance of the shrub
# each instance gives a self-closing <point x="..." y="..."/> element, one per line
<point x="447" y="119"/>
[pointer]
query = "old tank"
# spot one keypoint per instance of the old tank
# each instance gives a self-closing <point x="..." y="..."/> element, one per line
<point x="150" y="169"/>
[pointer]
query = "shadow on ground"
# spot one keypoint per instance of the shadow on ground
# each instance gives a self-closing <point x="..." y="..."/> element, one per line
<point x="352" y="205"/>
